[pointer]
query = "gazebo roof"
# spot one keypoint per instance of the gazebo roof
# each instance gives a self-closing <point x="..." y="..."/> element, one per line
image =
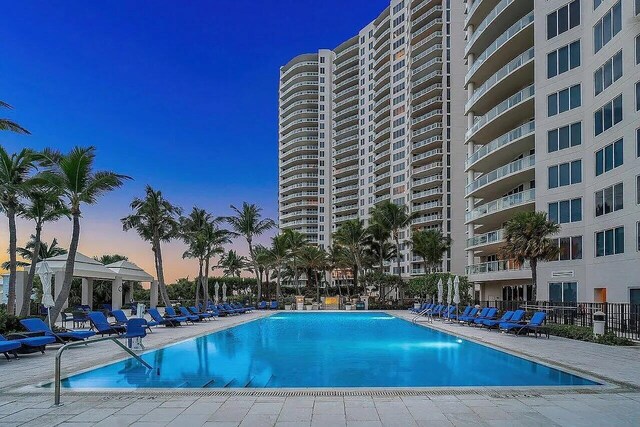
<point x="129" y="271"/>
<point x="83" y="267"/>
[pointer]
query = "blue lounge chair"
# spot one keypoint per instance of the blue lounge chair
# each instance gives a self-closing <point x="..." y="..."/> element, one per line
<point x="157" y="317"/>
<point x="9" y="347"/>
<point x="30" y="344"/>
<point x="191" y="317"/>
<point x="171" y="314"/>
<point x="466" y="312"/>
<point x="490" y="315"/>
<point x="122" y="319"/>
<point x="235" y="310"/>
<point x="102" y="326"/>
<point x="516" y="317"/>
<point x="472" y="315"/>
<point x="203" y="315"/>
<point x="262" y="305"/>
<point x="226" y="309"/>
<point x="419" y="309"/>
<point x="239" y="308"/>
<point x="37" y="325"/>
<point x="534" y="325"/>
<point x="491" y="323"/>
<point x="136" y="328"/>
<point x="274" y="305"/>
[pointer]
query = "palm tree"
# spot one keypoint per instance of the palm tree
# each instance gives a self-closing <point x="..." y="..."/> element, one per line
<point x="248" y="222"/>
<point x="279" y="254"/>
<point x="73" y="176"/>
<point x="527" y="238"/>
<point x="9" y="125"/>
<point x="155" y="220"/>
<point x="215" y="239"/>
<point x="232" y="264"/>
<point x="193" y="231"/>
<point x="314" y="259"/>
<point x="378" y="244"/>
<point x="353" y="236"/>
<point x="15" y="182"/>
<point x="431" y="246"/>
<point x="295" y="242"/>
<point x="26" y="252"/>
<point x="264" y="262"/>
<point x="394" y="218"/>
<point x="337" y="260"/>
<point x="41" y="207"/>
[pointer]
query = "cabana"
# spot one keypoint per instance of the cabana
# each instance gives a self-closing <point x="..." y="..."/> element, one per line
<point x="130" y="272"/>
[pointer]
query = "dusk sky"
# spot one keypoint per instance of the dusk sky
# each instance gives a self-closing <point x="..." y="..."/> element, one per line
<point x="178" y="95"/>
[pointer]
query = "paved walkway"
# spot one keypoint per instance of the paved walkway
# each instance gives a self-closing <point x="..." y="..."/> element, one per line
<point x="620" y="407"/>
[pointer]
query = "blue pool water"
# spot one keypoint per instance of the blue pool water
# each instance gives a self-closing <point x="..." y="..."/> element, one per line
<point x="325" y="350"/>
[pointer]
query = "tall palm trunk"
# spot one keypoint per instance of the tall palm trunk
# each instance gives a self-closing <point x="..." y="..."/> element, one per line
<point x="255" y="268"/>
<point x="11" y="303"/>
<point x="533" y="263"/>
<point x="266" y="275"/>
<point x="64" y="289"/>
<point x="278" y="290"/>
<point x="199" y="284"/>
<point x="26" y="298"/>
<point x="206" y="281"/>
<point x="160" y="271"/>
<point x="398" y="254"/>
<point x="317" y="288"/>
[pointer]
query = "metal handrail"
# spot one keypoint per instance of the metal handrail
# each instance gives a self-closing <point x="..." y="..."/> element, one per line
<point x="61" y="350"/>
<point x="427" y="312"/>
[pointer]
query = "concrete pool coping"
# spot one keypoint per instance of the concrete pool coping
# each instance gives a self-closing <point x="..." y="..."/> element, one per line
<point x="606" y="385"/>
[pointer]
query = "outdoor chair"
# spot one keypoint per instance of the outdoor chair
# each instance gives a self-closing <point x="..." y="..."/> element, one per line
<point x="9" y="347"/>
<point x="203" y="315"/>
<point x="515" y="317"/>
<point x="534" y="325"/>
<point x="472" y="315"/>
<point x="136" y="328"/>
<point x="102" y="326"/>
<point x="490" y="315"/>
<point x="188" y="315"/>
<point x="31" y="344"/>
<point x="171" y="314"/>
<point x="159" y="320"/>
<point x="35" y="324"/>
<point x="466" y="312"/>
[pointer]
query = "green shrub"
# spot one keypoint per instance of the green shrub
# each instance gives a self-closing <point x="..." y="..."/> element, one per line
<point x="584" y="333"/>
<point x="8" y="322"/>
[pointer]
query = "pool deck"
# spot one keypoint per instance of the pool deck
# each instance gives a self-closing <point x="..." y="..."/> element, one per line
<point x="617" y="404"/>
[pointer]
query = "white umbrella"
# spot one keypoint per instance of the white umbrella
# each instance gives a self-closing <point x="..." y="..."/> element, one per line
<point x="44" y="272"/>
<point x="449" y="297"/>
<point x="456" y="290"/>
<point x="224" y="292"/>
<point x="440" y="300"/>
<point x="216" y="289"/>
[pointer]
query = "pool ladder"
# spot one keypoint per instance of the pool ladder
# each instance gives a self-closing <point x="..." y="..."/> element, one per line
<point x="427" y="313"/>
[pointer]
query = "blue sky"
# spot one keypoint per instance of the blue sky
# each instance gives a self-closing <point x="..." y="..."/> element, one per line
<point x="179" y="95"/>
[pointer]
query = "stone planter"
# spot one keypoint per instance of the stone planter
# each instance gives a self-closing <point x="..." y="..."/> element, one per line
<point x="348" y="307"/>
<point x="308" y="307"/>
<point x="287" y="306"/>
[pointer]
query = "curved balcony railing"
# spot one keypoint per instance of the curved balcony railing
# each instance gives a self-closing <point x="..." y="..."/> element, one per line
<point x="427" y="154"/>
<point x="427" y="52"/>
<point x="433" y="23"/>
<point x="428" y="205"/>
<point x="501" y="172"/>
<point x="296" y="66"/>
<point x="497" y="266"/>
<point x="430" y="166"/>
<point x="427" y="180"/>
<point x="431" y="75"/>
<point x="498" y="205"/>
<point x="505" y="139"/>
<point x="426" y="193"/>
<point x="427" y="40"/>
<point x="499" y="42"/>
<point x="513" y="65"/>
<point x="515" y="99"/>
<point x="345" y="179"/>
<point x="426" y="103"/>
<point x="491" y="16"/>
<point x="495" y="236"/>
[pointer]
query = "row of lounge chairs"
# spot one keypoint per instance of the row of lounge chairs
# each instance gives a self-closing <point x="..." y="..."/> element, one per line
<point x="510" y="321"/>
<point x="264" y="305"/>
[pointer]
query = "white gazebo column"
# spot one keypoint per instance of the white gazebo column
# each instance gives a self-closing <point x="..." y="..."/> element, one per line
<point x="116" y="293"/>
<point x="154" y="294"/>
<point x="57" y="287"/>
<point x="87" y="292"/>
<point x="128" y="295"/>
<point x="21" y="281"/>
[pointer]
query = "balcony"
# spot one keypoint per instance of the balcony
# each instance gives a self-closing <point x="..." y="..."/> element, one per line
<point x="489" y="242"/>
<point x="423" y="157"/>
<point x="311" y="97"/>
<point x="507" y="176"/>
<point x="435" y="204"/>
<point x="431" y="114"/>
<point x="508" y="144"/>
<point x="308" y="65"/>
<point x="495" y="22"/>
<point x="299" y="158"/>
<point x="297" y="177"/>
<point x="426" y="79"/>
<point x="309" y="113"/>
<point x="290" y="171"/>
<point x="345" y="208"/>
<point x="427" y="29"/>
<point x="349" y="178"/>
<point x="425" y="219"/>
<point x="501" y="206"/>
<point x="498" y="270"/>
<point x="426" y="194"/>
<point x="426" y="168"/>
<point x="417" y="183"/>
<point x="427" y="143"/>
<point x="417" y="48"/>
<point x="306" y="184"/>
<point x="292" y="89"/>
<point x="516" y="109"/>
<point x="346" y="189"/>
<point x="433" y="89"/>
<point x="345" y="161"/>
<point x="310" y="102"/>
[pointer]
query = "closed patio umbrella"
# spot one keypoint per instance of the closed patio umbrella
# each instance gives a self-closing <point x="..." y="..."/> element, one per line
<point x="456" y="293"/>
<point x="449" y="295"/>
<point x="224" y="292"/>
<point x="216" y="288"/>
<point x="440" y="291"/>
<point x="44" y="272"/>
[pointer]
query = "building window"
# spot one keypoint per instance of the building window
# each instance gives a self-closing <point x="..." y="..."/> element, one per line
<point x="609" y="157"/>
<point x="638" y="142"/>
<point x="563" y="19"/>
<point x="637" y="7"/>
<point x="607" y="27"/>
<point x="564" y="137"/>
<point x="564" y="59"/>
<point x="608" y="73"/>
<point x="638" y="190"/>
<point x="638" y="96"/>
<point x="563" y="292"/>
<point x="608" y="115"/>
<point x="570" y="248"/>
<point x="610" y="242"/>
<point x="563" y="100"/>
<point x="638" y="50"/>
<point x="609" y="199"/>
<point x="566" y="211"/>
<point x="638" y="235"/>
<point x="565" y="174"/>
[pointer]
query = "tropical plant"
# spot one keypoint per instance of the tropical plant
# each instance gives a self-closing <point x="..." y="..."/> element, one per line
<point x="15" y="183"/>
<point x="527" y="238"/>
<point x="248" y="222"/>
<point x="10" y="125"/>
<point x="264" y="261"/>
<point x="337" y="260"/>
<point x="155" y="220"/>
<point x="72" y="175"/>
<point x="394" y="218"/>
<point x="295" y="242"/>
<point x="380" y="247"/>
<point x="232" y="264"/>
<point x="427" y="286"/>
<point x="40" y="207"/>
<point x="279" y="251"/>
<point x="215" y="239"/>
<point x="102" y="288"/>
<point x="46" y="251"/>
<point x="430" y="245"/>
<point x="313" y="259"/>
<point x="353" y="237"/>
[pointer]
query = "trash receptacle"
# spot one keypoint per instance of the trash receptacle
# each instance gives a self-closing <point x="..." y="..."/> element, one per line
<point x="599" y="320"/>
<point x="360" y="305"/>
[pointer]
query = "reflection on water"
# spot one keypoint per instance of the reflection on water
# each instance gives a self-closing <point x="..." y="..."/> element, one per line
<point x="324" y="350"/>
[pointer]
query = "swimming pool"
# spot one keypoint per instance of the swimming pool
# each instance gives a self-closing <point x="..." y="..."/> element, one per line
<point x="329" y="349"/>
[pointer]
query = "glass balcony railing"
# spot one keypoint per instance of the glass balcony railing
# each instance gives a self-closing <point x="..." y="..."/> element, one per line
<point x="513" y="65"/>
<point x="486" y="238"/>
<point x="486" y="21"/>
<point x="513" y="135"/>
<point x="498" y="205"/>
<point x="497" y="266"/>
<point x="499" y="42"/>
<point x="501" y="172"/>
<point x="512" y="101"/>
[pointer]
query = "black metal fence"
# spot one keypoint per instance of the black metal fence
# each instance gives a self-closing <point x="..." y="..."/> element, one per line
<point x="623" y="319"/>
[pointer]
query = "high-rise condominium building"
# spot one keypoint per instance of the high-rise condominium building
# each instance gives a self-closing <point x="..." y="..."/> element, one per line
<point x="380" y="117"/>
<point x="553" y="125"/>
